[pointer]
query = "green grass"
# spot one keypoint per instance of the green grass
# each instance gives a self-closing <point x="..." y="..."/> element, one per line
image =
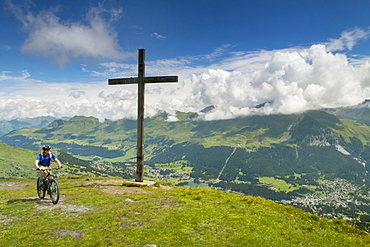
<point x="179" y="216"/>
<point x="179" y="166"/>
<point x="352" y="128"/>
<point x="121" y="135"/>
<point x="16" y="162"/>
<point x="251" y="133"/>
<point x="278" y="184"/>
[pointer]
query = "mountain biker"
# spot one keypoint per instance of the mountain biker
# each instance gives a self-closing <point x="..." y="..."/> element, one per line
<point x="44" y="159"/>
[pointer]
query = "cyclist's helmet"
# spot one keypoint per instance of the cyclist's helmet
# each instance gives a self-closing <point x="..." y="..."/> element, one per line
<point x="46" y="147"/>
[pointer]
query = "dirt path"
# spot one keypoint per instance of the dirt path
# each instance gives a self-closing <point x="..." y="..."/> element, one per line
<point x="110" y="186"/>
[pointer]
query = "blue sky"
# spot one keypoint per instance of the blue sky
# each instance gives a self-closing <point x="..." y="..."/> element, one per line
<point x="291" y="56"/>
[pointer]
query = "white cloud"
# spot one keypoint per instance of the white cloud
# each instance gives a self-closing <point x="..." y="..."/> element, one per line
<point x="24" y="75"/>
<point x="5" y="47"/>
<point x="136" y="27"/>
<point x="259" y="82"/>
<point x="77" y="94"/>
<point x="291" y="81"/>
<point x="158" y="36"/>
<point x="10" y="82"/>
<point x="217" y="52"/>
<point x="180" y="65"/>
<point x="62" y="41"/>
<point x="348" y="39"/>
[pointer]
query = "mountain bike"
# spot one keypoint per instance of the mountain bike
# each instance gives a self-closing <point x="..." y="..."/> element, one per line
<point x="48" y="185"/>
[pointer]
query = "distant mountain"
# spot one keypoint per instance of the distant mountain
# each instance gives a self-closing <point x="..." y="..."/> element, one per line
<point x="15" y="124"/>
<point x="314" y="144"/>
<point x="316" y="160"/>
<point x="18" y="162"/>
<point x="358" y="112"/>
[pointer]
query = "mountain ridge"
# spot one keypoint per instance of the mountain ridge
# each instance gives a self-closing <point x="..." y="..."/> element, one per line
<point x="18" y="162"/>
<point x="15" y="124"/>
<point x="298" y="154"/>
<point x="86" y="136"/>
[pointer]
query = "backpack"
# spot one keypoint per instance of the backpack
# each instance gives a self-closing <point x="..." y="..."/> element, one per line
<point x="42" y="156"/>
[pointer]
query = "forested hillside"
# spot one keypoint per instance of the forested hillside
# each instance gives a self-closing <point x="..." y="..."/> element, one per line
<point x="280" y="157"/>
<point x="19" y="163"/>
<point x="313" y="145"/>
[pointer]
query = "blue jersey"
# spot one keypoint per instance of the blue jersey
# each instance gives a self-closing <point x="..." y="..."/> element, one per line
<point x="44" y="160"/>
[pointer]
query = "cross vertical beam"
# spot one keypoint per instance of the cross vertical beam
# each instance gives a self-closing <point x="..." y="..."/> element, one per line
<point x="141" y="80"/>
<point x="140" y="118"/>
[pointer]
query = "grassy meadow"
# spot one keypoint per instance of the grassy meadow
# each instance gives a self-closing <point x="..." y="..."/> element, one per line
<point x="112" y="212"/>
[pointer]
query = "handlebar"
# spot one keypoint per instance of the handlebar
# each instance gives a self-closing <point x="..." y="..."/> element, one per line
<point x="46" y="169"/>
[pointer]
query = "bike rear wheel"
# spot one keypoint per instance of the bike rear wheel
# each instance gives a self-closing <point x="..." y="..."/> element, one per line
<point x="54" y="191"/>
<point x="40" y="189"/>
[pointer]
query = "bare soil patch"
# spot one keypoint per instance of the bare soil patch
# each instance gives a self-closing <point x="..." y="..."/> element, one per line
<point x="115" y="186"/>
<point x="116" y="182"/>
<point x="13" y="185"/>
<point x="5" y="219"/>
<point x="110" y="186"/>
<point x="46" y="204"/>
<point x="122" y="190"/>
<point x="73" y="233"/>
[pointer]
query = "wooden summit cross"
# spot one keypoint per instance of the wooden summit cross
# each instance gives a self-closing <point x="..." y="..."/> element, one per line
<point x="141" y="80"/>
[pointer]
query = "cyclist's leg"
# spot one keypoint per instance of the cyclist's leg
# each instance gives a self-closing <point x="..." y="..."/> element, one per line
<point x="43" y="173"/>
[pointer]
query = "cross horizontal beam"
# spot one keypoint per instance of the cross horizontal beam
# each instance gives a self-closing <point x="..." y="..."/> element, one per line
<point x="135" y="80"/>
<point x="141" y="80"/>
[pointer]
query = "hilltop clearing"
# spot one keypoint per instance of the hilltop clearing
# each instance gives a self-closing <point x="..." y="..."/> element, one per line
<point x="103" y="212"/>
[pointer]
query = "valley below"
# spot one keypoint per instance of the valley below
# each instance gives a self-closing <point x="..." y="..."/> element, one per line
<point x="316" y="161"/>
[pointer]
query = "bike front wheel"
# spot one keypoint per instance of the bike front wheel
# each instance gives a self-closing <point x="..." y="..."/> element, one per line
<point x="54" y="191"/>
<point x="40" y="189"/>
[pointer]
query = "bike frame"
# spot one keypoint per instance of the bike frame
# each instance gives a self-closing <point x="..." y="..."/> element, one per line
<point x="49" y="185"/>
